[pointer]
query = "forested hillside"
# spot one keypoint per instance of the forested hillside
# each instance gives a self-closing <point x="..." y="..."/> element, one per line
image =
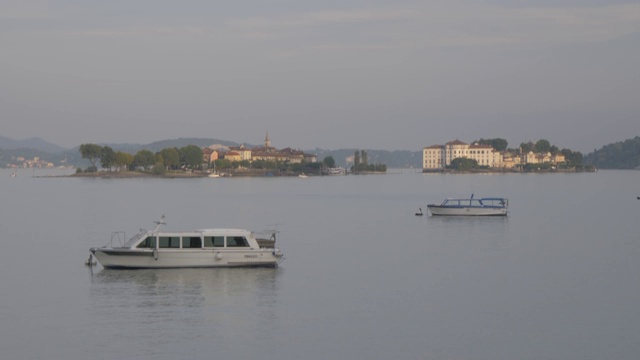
<point x="619" y="155"/>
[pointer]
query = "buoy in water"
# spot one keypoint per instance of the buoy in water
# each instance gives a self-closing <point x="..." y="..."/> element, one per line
<point x="419" y="213"/>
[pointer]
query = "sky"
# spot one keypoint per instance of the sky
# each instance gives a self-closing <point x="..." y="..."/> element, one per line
<point x="394" y="75"/>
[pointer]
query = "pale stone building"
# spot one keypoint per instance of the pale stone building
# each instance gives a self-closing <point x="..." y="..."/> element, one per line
<point x="432" y="157"/>
<point x="245" y="153"/>
<point x="233" y="156"/>
<point x="437" y="157"/>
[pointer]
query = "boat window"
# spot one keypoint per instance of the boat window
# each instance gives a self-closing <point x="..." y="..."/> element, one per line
<point x="169" y="242"/>
<point x="237" y="241"/>
<point x="191" y="242"/>
<point x="214" y="241"/>
<point x="148" y="243"/>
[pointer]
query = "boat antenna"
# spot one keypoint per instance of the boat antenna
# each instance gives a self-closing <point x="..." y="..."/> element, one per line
<point x="158" y="223"/>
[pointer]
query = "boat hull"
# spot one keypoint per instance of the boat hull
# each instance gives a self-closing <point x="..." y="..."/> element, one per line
<point x="111" y="258"/>
<point x="437" y="210"/>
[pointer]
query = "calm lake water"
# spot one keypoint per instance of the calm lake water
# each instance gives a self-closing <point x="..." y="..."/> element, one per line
<point x="363" y="277"/>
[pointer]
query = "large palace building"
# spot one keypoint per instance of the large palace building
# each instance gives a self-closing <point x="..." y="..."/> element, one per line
<point x="438" y="157"/>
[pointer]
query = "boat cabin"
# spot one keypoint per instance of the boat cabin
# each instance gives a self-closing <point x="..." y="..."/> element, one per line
<point x="480" y="202"/>
<point x="201" y="239"/>
<point x="192" y="248"/>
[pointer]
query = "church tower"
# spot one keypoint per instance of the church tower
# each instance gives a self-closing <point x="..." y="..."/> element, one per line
<point x="267" y="142"/>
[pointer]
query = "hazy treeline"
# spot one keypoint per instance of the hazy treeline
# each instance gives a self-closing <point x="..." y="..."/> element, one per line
<point x="619" y="155"/>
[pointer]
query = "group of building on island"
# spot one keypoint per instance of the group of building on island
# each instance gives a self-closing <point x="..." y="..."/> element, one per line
<point x="264" y="153"/>
<point x="434" y="157"/>
<point x="36" y="162"/>
<point x="438" y="157"/>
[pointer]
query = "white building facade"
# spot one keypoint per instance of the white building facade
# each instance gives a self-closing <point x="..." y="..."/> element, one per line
<point x="437" y="157"/>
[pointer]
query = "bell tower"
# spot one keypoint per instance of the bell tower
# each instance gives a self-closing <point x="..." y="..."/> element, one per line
<point x="267" y="142"/>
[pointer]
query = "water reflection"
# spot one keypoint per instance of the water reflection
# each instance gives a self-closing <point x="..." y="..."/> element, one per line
<point x="470" y="219"/>
<point x="201" y="284"/>
<point x="162" y="307"/>
<point x="488" y="232"/>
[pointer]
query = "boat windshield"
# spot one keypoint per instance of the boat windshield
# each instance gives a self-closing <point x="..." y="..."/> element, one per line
<point x="135" y="238"/>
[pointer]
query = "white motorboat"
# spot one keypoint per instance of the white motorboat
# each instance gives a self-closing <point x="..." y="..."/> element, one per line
<point x="336" y="171"/>
<point x="189" y="249"/>
<point x="471" y="207"/>
<point x="214" y="173"/>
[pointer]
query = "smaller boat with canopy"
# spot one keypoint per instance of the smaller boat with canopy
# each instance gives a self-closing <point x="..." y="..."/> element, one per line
<point x="489" y="206"/>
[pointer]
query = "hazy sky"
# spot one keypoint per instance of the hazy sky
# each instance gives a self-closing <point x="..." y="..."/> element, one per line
<point x="369" y="74"/>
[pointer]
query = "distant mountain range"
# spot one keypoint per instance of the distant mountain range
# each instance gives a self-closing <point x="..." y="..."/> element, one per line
<point x="31" y="143"/>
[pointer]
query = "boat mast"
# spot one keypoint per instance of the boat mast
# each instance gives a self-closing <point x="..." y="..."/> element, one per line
<point x="158" y="223"/>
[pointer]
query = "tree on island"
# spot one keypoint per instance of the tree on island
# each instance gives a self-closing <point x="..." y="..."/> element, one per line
<point x="360" y="164"/>
<point x="572" y="158"/>
<point x="497" y="143"/>
<point x="123" y="160"/>
<point x="158" y="169"/>
<point x="107" y="157"/>
<point x="222" y="164"/>
<point x="144" y="159"/>
<point x="91" y="152"/>
<point x="329" y="162"/>
<point x="170" y="158"/>
<point x="526" y="147"/>
<point x="542" y="146"/>
<point x="191" y="156"/>
<point x="463" y="164"/>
